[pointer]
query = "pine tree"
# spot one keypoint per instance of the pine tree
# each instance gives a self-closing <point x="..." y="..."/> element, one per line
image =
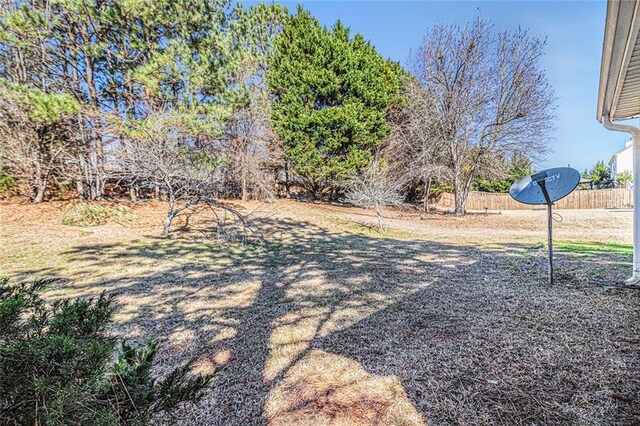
<point x="57" y="365"/>
<point x="601" y="173"/>
<point x="332" y="92"/>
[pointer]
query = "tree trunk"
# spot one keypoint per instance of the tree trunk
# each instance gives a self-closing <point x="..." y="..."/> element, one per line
<point x="40" y="184"/>
<point x="286" y="179"/>
<point x="167" y="223"/>
<point x="40" y="188"/>
<point x="98" y="147"/>
<point x="170" y="215"/>
<point x="315" y="189"/>
<point x="80" y="187"/>
<point x="80" y="181"/>
<point x="427" y="188"/>
<point x="379" y="217"/>
<point x="460" y="195"/>
<point x="245" y="189"/>
<point x="133" y="194"/>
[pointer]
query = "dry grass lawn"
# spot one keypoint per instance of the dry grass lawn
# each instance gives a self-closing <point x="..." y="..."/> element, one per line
<point x="443" y="320"/>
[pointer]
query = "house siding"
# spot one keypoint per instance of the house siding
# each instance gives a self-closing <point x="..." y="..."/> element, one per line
<point x="622" y="161"/>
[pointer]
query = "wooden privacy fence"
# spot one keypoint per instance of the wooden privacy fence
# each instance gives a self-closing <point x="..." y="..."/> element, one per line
<point x="579" y="199"/>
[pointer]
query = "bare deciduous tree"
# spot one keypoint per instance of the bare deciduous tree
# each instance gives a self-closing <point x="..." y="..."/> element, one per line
<point x="250" y="137"/>
<point x="252" y="145"/>
<point x="415" y="152"/>
<point x="374" y="189"/>
<point x="490" y="96"/>
<point x="37" y="134"/>
<point x="161" y="153"/>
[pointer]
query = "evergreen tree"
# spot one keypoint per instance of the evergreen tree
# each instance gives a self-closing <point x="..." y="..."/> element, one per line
<point x="332" y="92"/>
<point x="518" y="167"/>
<point x="623" y="178"/>
<point x="57" y="365"/>
<point x="122" y="61"/>
<point x="600" y="174"/>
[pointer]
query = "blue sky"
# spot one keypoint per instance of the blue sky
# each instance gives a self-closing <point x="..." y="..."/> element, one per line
<point x="574" y="32"/>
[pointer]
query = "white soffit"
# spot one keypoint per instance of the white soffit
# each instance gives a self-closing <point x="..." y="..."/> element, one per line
<point x="619" y="94"/>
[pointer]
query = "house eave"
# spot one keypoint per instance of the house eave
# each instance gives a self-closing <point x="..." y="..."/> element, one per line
<point x="619" y="91"/>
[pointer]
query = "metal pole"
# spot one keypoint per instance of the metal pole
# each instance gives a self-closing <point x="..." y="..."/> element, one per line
<point x="550" y="236"/>
<point x="540" y="180"/>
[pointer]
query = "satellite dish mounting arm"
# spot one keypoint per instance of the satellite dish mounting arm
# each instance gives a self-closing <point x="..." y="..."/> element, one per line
<point x="540" y="179"/>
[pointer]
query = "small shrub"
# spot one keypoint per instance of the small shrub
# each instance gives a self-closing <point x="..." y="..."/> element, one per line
<point x="86" y="214"/>
<point x="7" y="182"/>
<point x="120" y="214"/>
<point x="374" y="189"/>
<point x="57" y="365"/>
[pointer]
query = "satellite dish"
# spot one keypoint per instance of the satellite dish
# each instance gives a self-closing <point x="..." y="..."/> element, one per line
<point x="558" y="182"/>
<point x="545" y="187"/>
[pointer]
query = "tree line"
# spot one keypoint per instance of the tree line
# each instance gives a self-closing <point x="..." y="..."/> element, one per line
<point x="196" y="100"/>
<point x="600" y="177"/>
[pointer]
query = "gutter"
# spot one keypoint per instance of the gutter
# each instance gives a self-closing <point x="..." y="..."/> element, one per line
<point x="632" y="130"/>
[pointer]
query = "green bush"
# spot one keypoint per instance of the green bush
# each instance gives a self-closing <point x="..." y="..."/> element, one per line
<point x="86" y="214"/>
<point x="513" y="169"/>
<point x="7" y="182"/>
<point x="623" y="178"/>
<point x="120" y="214"/>
<point x="59" y="366"/>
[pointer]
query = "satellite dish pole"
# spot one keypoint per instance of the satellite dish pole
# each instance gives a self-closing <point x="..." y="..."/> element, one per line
<point x="539" y="178"/>
<point x="545" y="187"/>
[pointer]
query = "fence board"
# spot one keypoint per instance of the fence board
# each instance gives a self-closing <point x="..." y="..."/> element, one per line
<point x="581" y="199"/>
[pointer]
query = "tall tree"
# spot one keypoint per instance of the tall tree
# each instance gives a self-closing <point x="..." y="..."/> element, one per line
<point x="624" y="179"/>
<point x="254" y="151"/>
<point x="37" y="131"/>
<point x="414" y="152"/>
<point x="490" y="96"/>
<point x="57" y="47"/>
<point x="600" y="174"/>
<point x="331" y="94"/>
<point x="123" y="62"/>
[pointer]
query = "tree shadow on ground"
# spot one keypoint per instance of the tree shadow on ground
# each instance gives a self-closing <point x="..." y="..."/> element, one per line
<point x="314" y="327"/>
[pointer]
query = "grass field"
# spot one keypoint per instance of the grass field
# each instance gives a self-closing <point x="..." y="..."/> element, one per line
<point x="443" y="320"/>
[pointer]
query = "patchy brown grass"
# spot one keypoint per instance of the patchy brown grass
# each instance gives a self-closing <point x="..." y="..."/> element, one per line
<point x="444" y="320"/>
